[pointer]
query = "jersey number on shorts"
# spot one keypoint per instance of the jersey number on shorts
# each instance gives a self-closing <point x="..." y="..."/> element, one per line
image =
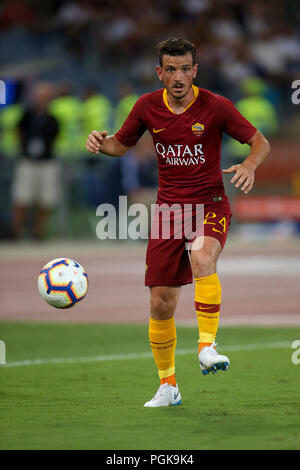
<point x="208" y="220"/>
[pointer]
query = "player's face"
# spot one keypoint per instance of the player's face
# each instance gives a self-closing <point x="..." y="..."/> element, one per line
<point x="177" y="74"/>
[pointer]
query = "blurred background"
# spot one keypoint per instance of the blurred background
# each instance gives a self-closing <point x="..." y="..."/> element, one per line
<point x="73" y="66"/>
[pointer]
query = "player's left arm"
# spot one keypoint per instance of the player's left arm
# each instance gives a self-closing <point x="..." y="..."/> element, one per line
<point x="244" y="172"/>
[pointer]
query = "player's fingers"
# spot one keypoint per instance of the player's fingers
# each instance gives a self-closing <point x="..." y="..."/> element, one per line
<point x="241" y="180"/>
<point x="229" y="170"/>
<point x="248" y="183"/>
<point x="98" y="135"/>
<point x="249" y="187"/>
<point x="245" y="185"/>
<point x="91" y="148"/>
<point x="93" y="141"/>
<point x="236" y="176"/>
<point x="246" y="189"/>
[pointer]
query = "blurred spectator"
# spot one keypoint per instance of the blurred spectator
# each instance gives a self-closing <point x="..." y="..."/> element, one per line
<point x="36" y="178"/>
<point x="112" y="44"/>
<point x="134" y="175"/>
<point x="18" y="13"/>
<point x="258" y="110"/>
<point x="74" y="17"/>
<point x="266" y="55"/>
<point x="237" y="65"/>
<point x="127" y="99"/>
<point x="67" y="109"/>
<point x="255" y="17"/>
<point x="233" y="38"/>
<point x="96" y="111"/>
<point x="288" y="46"/>
<point x="143" y="68"/>
<point x="73" y="12"/>
<point x="10" y="115"/>
<point x="225" y="26"/>
<point x="121" y="28"/>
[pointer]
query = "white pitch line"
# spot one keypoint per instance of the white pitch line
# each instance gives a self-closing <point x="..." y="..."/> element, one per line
<point x="122" y="357"/>
<point x="227" y="265"/>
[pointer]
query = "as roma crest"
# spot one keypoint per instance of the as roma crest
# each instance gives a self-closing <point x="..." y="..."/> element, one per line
<point x="198" y="129"/>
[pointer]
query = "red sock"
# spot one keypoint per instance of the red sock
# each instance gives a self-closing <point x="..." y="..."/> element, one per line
<point x="202" y="345"/>
<point x="169" y="380"/>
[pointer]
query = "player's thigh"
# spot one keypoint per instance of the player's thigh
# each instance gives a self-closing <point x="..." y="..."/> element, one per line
<point x="24" y="184"/>
<point x="206" y="249"/>
<point x="164" y="301"/>
<point x="167" y="263"/>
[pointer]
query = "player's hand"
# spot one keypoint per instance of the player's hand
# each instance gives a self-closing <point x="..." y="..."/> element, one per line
<point x="95" y="140"/>
<point x="244" y="176"/>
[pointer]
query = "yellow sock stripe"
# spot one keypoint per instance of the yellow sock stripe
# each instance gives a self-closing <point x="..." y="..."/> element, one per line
<point x="206" y="337"/>
<point x="166" y="373"/>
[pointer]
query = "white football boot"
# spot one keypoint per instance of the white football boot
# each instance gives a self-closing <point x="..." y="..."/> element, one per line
<point x="166" y="395"/>
<point x="211" y="361"/>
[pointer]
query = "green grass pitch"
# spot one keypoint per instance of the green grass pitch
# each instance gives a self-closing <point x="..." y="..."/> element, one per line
<point x="95" y="401"/>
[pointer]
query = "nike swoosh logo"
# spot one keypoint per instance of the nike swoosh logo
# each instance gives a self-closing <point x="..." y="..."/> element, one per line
<point x="176" y="395"/>
<point x="207" y="308"/>
<point x="158" y="130"/>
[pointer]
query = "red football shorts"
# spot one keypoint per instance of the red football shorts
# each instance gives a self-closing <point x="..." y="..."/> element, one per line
<point x="167" y="258"/>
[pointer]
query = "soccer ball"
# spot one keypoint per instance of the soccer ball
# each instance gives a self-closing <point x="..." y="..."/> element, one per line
<point x="63" y="282"/>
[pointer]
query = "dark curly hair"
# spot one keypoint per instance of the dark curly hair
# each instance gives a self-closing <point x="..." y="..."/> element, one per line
<point x="174" y="47"/>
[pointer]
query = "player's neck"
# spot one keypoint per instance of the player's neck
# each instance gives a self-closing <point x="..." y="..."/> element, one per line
<point x="178" y="105"/>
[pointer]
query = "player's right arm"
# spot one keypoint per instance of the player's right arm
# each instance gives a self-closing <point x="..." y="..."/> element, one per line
<point x="107" y="144"/>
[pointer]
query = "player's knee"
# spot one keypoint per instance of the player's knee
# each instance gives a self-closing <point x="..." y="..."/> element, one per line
<point x="204" y="264"/>
<point x="162" y="308"/>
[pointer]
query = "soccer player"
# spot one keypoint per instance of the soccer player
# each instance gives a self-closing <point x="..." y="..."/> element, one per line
<point x="186" y="124"/>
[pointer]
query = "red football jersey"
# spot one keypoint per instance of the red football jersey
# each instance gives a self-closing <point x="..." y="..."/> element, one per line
<point x="188" y="145"/>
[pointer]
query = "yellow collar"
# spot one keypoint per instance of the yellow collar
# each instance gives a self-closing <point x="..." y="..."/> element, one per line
<point x="165" y="98"/>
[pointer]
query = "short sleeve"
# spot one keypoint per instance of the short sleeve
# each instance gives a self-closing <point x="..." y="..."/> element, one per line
<point x="233" y="122"/>
<point x="134" y="127"/>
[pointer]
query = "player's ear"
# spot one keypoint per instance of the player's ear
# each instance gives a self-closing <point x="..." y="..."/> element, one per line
<point x="195" y="70"/>
<point x="159" y="72"/>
